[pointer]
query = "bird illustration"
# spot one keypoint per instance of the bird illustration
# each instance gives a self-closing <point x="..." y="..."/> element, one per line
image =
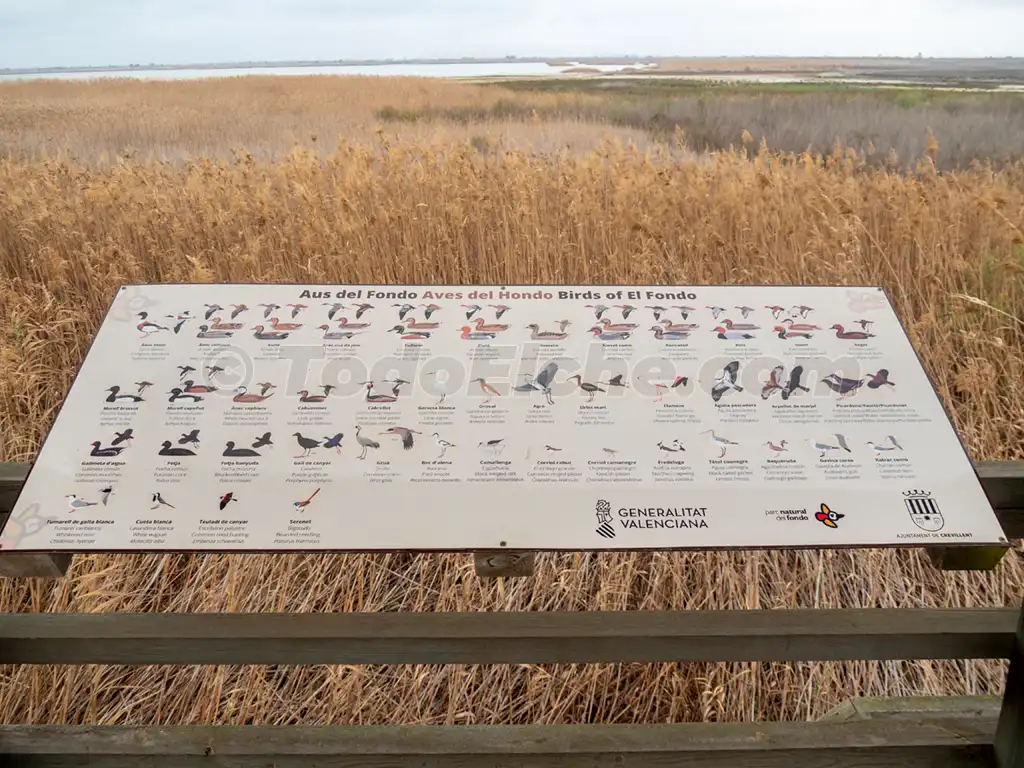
<point x="726" y="381"/>
<point x="180" y="321"/>
<point x="842" y="386"/>
<point x="429" y="309"/>
<point x="265" y="386"/>
<point x="828" y="517"/>
<point x="776" y="310"/>
<point x="541" y="382"/>
<point x="263" y="441"/>
<point x="880" y="379"/>
<point x="307" y="501"/>
<point x="774" y="383"/>
<point x="397" y="385"/>
<point x="877" y="448"/>
<point x="116" y="394"/>
<point x="105" y="453"/>
<point x="615" y="381"/>
<point x="334" y="335"/>
<point x="412" y="325"/>
<point x="661" y="386"/>
<point x="403" y="310"/>
<point x="189" y="387"/>
<point x="721" y="443"/>
<point x="305" y="397"/>
<point x="673" y="447"/>
<point x="745" y="311"/>
<point x="346" y="325"/>
<point x="894" y="441"/>
<point x="211" y="310"/>
<point x="536" y="334"/>
<point x="716" y="312"/>
<point x="105" y="494"/>
<point x="143" y="386"/>
<point x="296" y="308"/>
<point x="842" y="333"/>
<point x="328" y="388"/>
<point x="608" y="325"/>
<point x="657" y="310"/>
<point x="552" y="449"/>
<point x="226" y="499"/>
<point x="177" y="394"/>
<point x="205" y="332"/>
<point x="404" y="433"/>
<point x="599" y="309"/>
<point x="190" y="438"/>
<point x="372" y="397"/>
<point x="483" y="326"/>
<point x="731" y="326"/>
<point x="244" y="396"/>
<point x="789" y="325"/>
<point x="409" y="335"/>
<point x="167" y="450"/>
<point x="365" y="443"/>
<point x="601" y="335"/>
<point x="123" y="437"/>
<point x="662" y="335"/>
<point x="261" y="333"/>
<point x="823" y="448"/>
<point x="157" y="501"/>
<point x="495" y="446"/>
<point x="562" y="325"/>
<point x="801" y="311"/>
<point x="277" y="325"/>
<point x="684" y="311"/>
<point x="724" y="333"/>
<point x="440" y="386"/>
<point x="487" y="389"/>
<point x="784" y="334"/>
<point x="780" y="448"/>
<point x="587" y="387"/>
<point x="334" y="442"/>
<point x="443" y="444"/>
<point x="216" y="324"/>
<point x="213" y="370"/>
<point x="233" y="452"/>
<point x="671" y="327"/>
<point x="335" y="308"/>
<point x="469" y="334"/>
<point x="627" y="310"/>
<point x="185" y="370"/>
<point x="269" y="309"/>
<point x="865" y="325"/>
<point x="471" y="309"/>
<point x="499" y="310"/>
<point x="76" y="504"/>
<point x="237" y="309"/>
<point x="307" y="444"/>
<point x="794" y="385"/>
<point x="147" y="327"/>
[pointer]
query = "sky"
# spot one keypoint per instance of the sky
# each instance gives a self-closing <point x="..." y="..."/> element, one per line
<point x="37" y="33"/>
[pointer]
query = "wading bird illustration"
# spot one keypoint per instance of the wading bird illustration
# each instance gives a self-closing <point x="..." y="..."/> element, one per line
<point x="143" y="386"/>
<point x="365" y="443"/>
<point x="608" y="325"/>
<point x="657" y="310"/>
<point x="116" y="394"/>
<point x="429" y="309"/>
<point x="277" y="325"/>
<point x="263" y="334"/>
<point x="601" y="335"/>
<point x="403" y="310"/>
<point x="727" y="380"/>
<point x="190" y="438"/>
<point x="307" y="501"/>
<point x="177" y="394"/>
<point x="499" y="310"/>
<point x="147" y="327"/>
<point x="673" y="447"/>
<point x="842" y="333"/>
<point x="226" y="499"/>
<point x="611" y="451"/>
<point x="486" y="388"/>
<point x="443" y="444"/>
<point x="552" y="449"/>
<point x="376" y="397"/>
<point x="661" y="386"/>
<point x="586" y="386"/>
<point x="780" y="448"/>
<point x="627" y="310"/>
<point x="123" y="437"/>
<point x="404" y="433"/>
<point x="361" y="309"/>
<point x="237" y="309"/>
<point x="263" y="441"/>
<point x="842" y="386"/>
<point x="307" y="444"/>
<point x="495" y="446"/>
<point x="231" y="451"/>
<point x="599" y="310"/>
<point x="716" y="312"/>
<point x="76" y="504"/>
<point x="794" y="385"/>
<point x="722" y="443"/>
<point x="334" y="442"/>
<point x="468" y="334"/>
<point x="410" y="335"/>
<point x="471" y="309"/>
<point x="269" y="309"/>
<point x="296" y="308"/>
<point x="880" y="379"/>
<point x="745" y="311"/>
<point x="541" y="382"/>
<point x="440" y="386"/>
<point x="211" y="310"/>
<point x="536" y="334"/>
<point x="244" y="396"/>
<point x="157" y="501"/>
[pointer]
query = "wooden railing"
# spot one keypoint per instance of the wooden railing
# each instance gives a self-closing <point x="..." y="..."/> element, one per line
<point x="931" y="731"/>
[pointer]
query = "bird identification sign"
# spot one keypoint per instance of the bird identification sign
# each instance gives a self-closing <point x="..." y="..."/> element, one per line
<point x="365" y="418"/>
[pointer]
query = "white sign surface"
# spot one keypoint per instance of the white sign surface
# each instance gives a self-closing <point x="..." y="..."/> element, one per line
<point x="348" y="418"/>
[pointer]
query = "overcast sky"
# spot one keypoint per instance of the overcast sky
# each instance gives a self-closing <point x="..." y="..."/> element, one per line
<point x="74" y="32"/>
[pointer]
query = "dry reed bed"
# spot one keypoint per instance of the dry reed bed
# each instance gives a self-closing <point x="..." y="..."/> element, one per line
<point x="69" y="234"/>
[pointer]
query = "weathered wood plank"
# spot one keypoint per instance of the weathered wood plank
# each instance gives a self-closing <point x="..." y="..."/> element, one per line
<point x="506" y="638"/>
<point x="946" y="742"/>
<point x="511" y="564"/>
<point x="42" y="565"/>
<point x="1009" y="742"/>
<point x="914" y="707"/>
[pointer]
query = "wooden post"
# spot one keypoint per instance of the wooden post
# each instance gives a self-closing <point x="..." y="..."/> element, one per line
<point x="1009" y="743"/>
<point x="511" y="563"/>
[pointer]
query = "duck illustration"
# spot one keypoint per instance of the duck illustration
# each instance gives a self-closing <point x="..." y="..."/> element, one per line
<point x="801" y="311"/>
<point x="296" y="308"/>
<point x="662" y="335"/>
<point x="469" y="334"/>
<point x="237" y="309"/>
<point x="842" y="333"/>
<point x="608" y="325"/>
<point x="880" y="379"/>
<point x="657" y="310"/>
<point x="305" y="397"/>
<point x="671" y="327"/>
<point x="211" y="310"/>
<point x="726" y="381"/>
<point x="562" y="325"/>
<point x="601" y="335"/>
<point x="307" y="444"/>
<point x="404" y="433"/>
<point x="585" y="386"/>
<point x="842" y="386"/>
<point x="242" y="395"/>
<point x="217" y="324"/>
<point x="232" y="452"/>
<point x="372" y="397"/>
<point x="499" y="310"/>
<point x="412" y="325"/>
<point x="745" y="311"/>
<point x="789" y="325"/>
<point x="724" y="333"/>
<point x="485" y="327"/>
<point x="347" y="325"/>
<point x="794" y="385"/>
<point x="536" y="334"/>
<point x="185" y="370"/>
<point x="865" y="325"/>
<point x="269" y="309"/>
<point x="716" y="312"/>
<point x="178" y="394"/>
<point x="124" y="437"/>
<point x="599" y="309"/>
<point x="179" y="321"/>
<point x="335" y="308"/>
<point x="627" y="310"/>
<point x="403" y="310"/>
<point x="116" y="394"/>
<point x="776" y="310"/>
<point x="167" y="450"/>
<point x="409" y="335"/>
<point x="265" y="386"/>
<point x="471" y="309"/>
<point x="429" y="309"/>
<point x="334" y="335"/>
<point x="261" y="333"/>
<point x="143" y="386"/>
<point x="684" y="311"/>
<point x="784" y="334"/>
<point x="191" y="388"/>
<point x="190" y="438"/>
<point x="277" y="325"/>
<point x="334" y="442"/>
<point x="147" y="327"/>
<point x="263" y="441"/>
<point x="361" y="309"/>
<point x="205" y="332"/>
<point x="105" y="453"/>
<point x="774" y="383"/>
<point x="828" y="517"/>
<point x="213" y="370"/>
<point x="731" y="326"/>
